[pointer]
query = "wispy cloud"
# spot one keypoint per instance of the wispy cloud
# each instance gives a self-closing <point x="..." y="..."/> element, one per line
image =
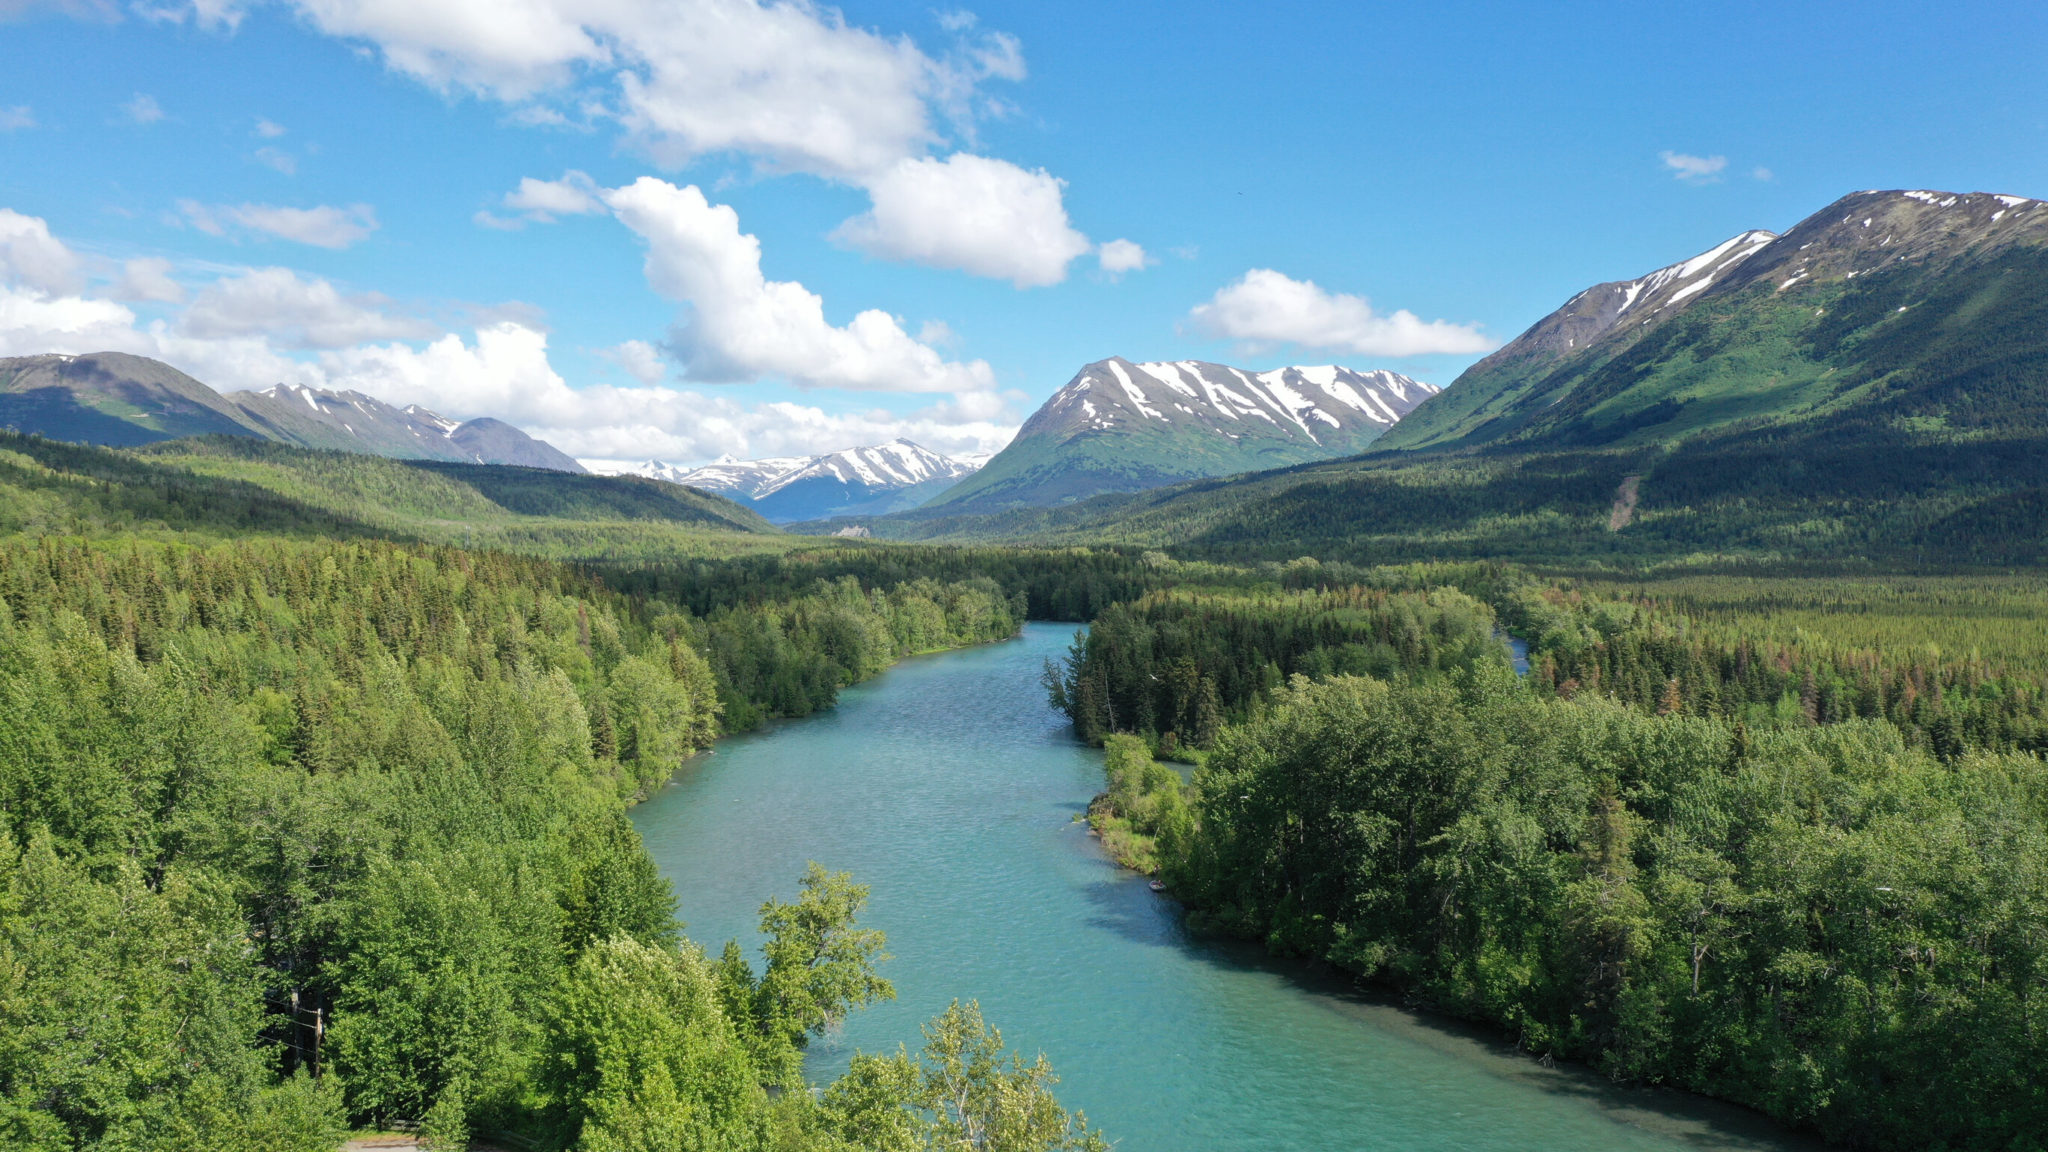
<point x="269" y="129"/>
<point x="322" y="226"/>
<point x="278" y="159"/>
<point x="1763" y="174"/>
<point x="16" y="117"/>
<point x="1694" y="169"/>
<point x="143" y="109"/>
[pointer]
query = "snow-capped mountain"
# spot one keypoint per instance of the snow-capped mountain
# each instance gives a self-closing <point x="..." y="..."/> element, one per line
<point x="872" y="480"/>
<point x="1122" y="426"/>
<point x="1531" y="388"/>
<point x="353" y="422"/>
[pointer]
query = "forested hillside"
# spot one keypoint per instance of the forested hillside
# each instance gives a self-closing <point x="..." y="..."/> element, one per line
<point x="1795" y="871"/>
<point x="304" y="828"/>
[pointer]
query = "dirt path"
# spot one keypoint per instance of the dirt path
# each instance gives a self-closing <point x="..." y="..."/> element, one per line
<point x="1624" y="504"/>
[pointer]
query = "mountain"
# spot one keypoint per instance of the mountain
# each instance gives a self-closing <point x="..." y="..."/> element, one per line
<point x="1868" y="390"/>
<point x="855" y="481"/>
<point x="353" y="422"/>
<point x="1121" y="427"/>
<point x="1818" y="321"/>
<point x="116" y="399"/>
<point x="110" y="398"/>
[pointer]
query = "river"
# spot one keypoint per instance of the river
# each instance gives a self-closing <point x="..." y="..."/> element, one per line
<point x="949" y="787"/>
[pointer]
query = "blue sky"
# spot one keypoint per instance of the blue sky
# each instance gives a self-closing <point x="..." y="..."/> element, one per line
<point x="329" y="191"/>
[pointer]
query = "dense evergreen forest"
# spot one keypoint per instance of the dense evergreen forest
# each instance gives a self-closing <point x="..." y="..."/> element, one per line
<point x="1807" y="876"/>
<point x="304" y="827"/>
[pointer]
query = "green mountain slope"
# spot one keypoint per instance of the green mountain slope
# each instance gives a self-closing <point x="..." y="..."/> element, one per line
<point x="111" y="398"/>
<point x="1876" y="295"/>
<point x="223" y="486"/>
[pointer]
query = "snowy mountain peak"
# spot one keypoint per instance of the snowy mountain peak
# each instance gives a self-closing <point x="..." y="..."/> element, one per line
<point x="1308" y="402"/>
<point x="786" y="488"/>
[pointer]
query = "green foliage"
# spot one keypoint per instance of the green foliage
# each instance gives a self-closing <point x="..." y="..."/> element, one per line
<point x="1183" y="661"/>
<point x="1819" y="922"/>
<point x="820" y="966"/>
<point x="1142" y="803"/>
<point x="963" y="1096"/>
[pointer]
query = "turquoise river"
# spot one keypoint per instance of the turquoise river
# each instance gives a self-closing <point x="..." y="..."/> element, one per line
<point x="950" y="788"/>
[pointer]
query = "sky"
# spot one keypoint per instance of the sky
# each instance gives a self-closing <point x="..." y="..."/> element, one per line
<point x="677" y="229"/>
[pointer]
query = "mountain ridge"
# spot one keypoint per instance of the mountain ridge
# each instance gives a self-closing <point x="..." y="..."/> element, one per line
<point x="1773" y="289"/>
<point x="123" y="400"/>
<point x="1121" y="426"/>
<point x="870" y="480"/>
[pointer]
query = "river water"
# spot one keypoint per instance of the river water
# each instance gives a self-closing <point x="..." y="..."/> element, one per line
<point x="950" y="788"/>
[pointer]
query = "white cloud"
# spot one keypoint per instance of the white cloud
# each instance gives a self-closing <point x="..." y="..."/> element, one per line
<point x="142" y="109"/>
<point x="147" y="279"/>
<point x="971" y="213"/>
<point x="1267" y="307"/>
<point x="278" y="159"/>
<point x="1120" y="256"/>
<point x="575" y="194"/>
<point x="32" y="323"/>
<point x="323" y="226"/>
<point x="295" y="312"/>
<point x="1694" y="169"/>
<point x="1764" y="174"/>
<point x="743" y="326"/>
<point x="15" y="117"/>
<point x="269" y="129"/>
<point x="787" y="83"/>
<point x="641" y="360"/>
<point x="31" y="258"/>
<point x="256" y="327"/>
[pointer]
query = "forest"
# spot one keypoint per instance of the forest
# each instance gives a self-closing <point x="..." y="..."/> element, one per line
<point x="311" y="822"/>
<point x="305" y="830"/>
<point x="1809" y="877"/>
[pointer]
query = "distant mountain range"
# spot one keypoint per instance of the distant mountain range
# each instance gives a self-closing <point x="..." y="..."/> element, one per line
<point x="852" y="482"/>
<point x="1119" y="426"/>
<point x="116" y="399"/>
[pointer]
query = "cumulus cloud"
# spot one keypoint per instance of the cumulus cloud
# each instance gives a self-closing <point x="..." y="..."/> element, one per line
<point x="142" y="109"/>
<point x="147" y="280"/>
<point x="791" y="84"/>
<point x="323" y="226"/>
<point x="31" y="258"/>
<point x="295" y="312"/>
<point x="787" y="83"/>
<point x="15" y="117"/>
<point x="1120" y="256"/>
<point x="1265" y="306"/>
<point x="641" y="360"/>
<point x="971" y="213"/>
<point x="1694" y="169"/>
<point x="743" y="326"/>
<point x="254" y="327"/>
